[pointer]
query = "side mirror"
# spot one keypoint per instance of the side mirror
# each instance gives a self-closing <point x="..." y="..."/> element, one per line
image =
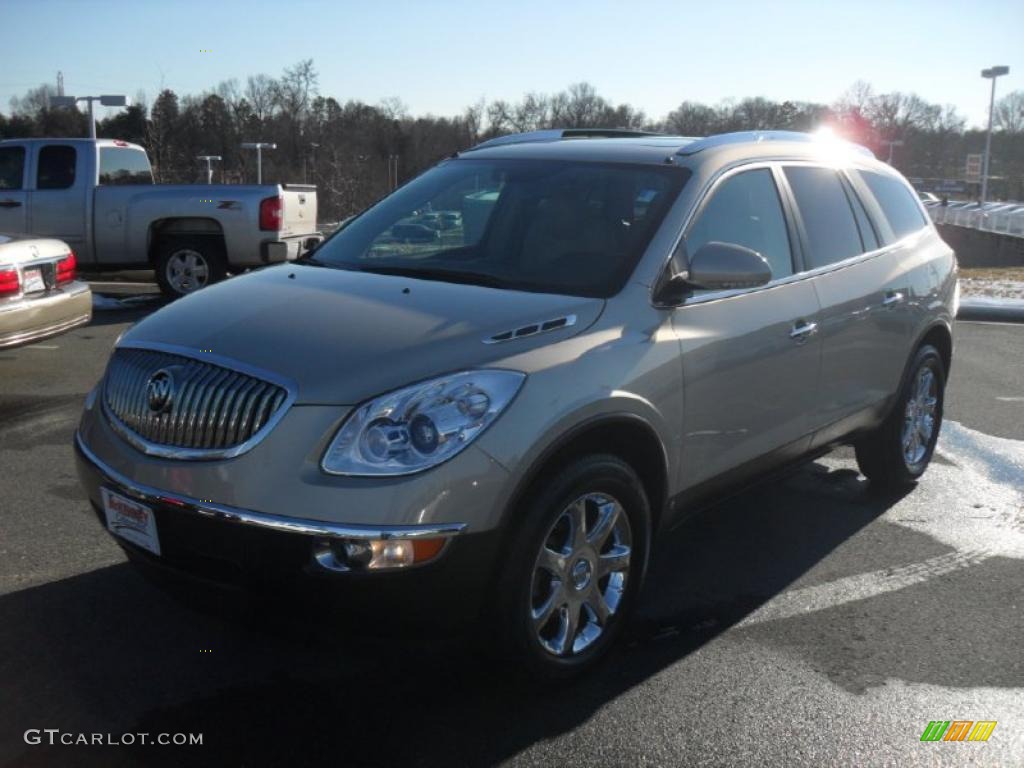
<point x="724" y="266"/>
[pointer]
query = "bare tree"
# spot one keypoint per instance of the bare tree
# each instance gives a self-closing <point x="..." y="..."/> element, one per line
<point x="1009" y="113"/>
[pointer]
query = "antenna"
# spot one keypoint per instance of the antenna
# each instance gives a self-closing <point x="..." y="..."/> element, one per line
<point x="60" y="83"/>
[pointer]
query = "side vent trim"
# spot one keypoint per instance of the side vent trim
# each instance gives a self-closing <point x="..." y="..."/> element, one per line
<point x="532" y="329"/>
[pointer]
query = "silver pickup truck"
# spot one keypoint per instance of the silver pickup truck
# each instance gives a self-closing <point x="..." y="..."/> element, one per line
<point x="98" y="196"/>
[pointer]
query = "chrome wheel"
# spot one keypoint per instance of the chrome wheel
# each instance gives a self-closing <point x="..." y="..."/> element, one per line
<point x="187" y="270"/>
<point x="920" y="416"/>
<point x="580" y="574"/>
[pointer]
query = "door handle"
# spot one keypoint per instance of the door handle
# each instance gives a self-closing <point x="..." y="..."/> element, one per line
<point x="803" y="330"/>
<point x="9" y="203"/>
<point x="892" y="298"/>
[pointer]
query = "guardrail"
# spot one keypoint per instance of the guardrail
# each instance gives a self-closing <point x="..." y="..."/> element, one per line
<point x="998" y="218"/>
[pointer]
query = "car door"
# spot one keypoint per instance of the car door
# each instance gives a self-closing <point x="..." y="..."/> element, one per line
<point x="13" y="208"/>
<point x="864" y="324"/>
<point x="57" y="200"/>
<point x="750" y="358"/>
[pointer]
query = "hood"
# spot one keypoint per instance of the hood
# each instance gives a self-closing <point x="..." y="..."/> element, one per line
<point x="343" y="336"/>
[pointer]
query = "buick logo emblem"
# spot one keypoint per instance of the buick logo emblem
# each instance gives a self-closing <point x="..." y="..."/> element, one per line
<point x="160" y="391"/>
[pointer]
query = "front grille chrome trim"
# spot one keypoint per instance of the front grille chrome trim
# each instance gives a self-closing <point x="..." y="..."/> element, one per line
<point x="196" y="428"/>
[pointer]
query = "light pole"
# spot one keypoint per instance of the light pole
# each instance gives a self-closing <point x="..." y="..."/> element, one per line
<point x="209" y="165"/>
<point x="259" y="146"/>
<point x="893" y="143"/>
<point x="990" y="74"/>
<point x="106" y="101"/>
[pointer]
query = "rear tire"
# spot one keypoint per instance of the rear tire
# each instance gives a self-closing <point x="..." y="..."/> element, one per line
<point x="186" y="264"/>
<point x="896" y="454"/>
<point x="579" y="559"/>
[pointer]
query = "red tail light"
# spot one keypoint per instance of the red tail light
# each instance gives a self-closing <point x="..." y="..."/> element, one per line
<point x="66" y="268"/>
<point x="10" y="283"/>
<point x="272" y="213"/>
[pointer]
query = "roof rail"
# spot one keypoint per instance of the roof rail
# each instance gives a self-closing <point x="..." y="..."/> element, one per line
<point x="556" y="134"/>
<point x="742" y="137"/>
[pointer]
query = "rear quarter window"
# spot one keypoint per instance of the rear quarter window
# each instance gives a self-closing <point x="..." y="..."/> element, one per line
<point x="897" y="202"/>
<point x="124" y="165"/>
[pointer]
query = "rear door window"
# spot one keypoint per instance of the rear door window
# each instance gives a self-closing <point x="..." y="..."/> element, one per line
<point x="12" y="167"/>
<point x="828" y="219"/>
<point x="897" y="203"/>
<point x="745" y="210"/>
<point x="56" y="167"/>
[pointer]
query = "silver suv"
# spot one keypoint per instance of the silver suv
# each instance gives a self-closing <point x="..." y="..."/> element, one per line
<point x="504" y="416"/>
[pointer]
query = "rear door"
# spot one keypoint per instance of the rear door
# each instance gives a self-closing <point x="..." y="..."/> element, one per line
<point x="865" y="323"/>
<point x="58" y="197"/>
<point x="13" y="197"/>
<point x="750" y="357"/>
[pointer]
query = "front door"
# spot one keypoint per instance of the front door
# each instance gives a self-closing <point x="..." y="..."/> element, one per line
<point x="751" y="359"/>
<point x="13" y="166"/>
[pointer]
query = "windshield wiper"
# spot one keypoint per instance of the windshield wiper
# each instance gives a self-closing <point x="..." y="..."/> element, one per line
<point x="441" y="274"/>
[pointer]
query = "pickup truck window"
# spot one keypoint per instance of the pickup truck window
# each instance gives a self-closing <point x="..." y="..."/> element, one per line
<point x="12" y="167"/>
<point x="56" y="167"/>
<point x="123" y="166"/>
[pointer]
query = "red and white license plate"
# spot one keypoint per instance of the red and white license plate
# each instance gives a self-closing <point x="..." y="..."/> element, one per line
<point x="130" y="520"/>
<point x="33" y="280"/>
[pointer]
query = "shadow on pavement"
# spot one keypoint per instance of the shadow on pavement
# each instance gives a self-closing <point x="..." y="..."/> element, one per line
<point x="105" y="651"/>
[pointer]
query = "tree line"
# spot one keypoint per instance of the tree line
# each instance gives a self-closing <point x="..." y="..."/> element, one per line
<point x="351" y="149"/>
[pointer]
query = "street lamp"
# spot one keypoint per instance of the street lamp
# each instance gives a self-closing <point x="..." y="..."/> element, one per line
<point x="209" y="165"/>
<point x="106" y="101"/>
<point x="893" y="143"/>
<point x="259" y="146"/>
<point x="990" y="74"/>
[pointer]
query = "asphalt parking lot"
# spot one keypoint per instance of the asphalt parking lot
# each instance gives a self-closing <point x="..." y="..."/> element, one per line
<point x="806" y="622"/>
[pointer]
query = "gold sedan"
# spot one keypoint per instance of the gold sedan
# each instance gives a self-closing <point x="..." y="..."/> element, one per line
<point x="39" y="295"/>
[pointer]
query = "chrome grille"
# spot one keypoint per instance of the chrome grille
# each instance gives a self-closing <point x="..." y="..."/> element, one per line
<point x="210" y="410"/>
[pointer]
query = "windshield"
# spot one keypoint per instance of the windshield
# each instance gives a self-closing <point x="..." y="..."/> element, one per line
<point x="549" y="226"/>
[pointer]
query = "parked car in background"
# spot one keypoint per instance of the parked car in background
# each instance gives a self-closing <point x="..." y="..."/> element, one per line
<point x="99" y="197"/>
<point x="39" y="293"/>
<point x="508" y="419"/>
<point x="928" y="198"/>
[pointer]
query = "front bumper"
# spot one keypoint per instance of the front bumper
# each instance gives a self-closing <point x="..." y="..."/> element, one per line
<point x="26" y="320"/>
<point x="239" y="546"/>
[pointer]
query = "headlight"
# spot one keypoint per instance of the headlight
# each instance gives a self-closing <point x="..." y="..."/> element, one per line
<point x="418" y="427"/>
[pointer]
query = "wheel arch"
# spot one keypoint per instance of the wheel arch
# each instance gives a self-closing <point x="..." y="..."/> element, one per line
<point x="626" y="435"/>
<point x="182" y="226"/>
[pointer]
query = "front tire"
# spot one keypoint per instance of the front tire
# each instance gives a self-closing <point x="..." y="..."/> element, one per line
<point x="186" y="264"/>
<point x="576" y="567"/>
<point x="895" y="455"/>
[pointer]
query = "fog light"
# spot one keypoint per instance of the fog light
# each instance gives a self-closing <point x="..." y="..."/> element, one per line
<point x="375" y="554"/>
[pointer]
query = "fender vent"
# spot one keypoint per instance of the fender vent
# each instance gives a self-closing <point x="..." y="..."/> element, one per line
<point x="532" y="329"/>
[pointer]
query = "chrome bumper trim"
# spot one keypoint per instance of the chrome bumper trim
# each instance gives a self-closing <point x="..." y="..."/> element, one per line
<point x="38" y="334"/>
<point x="278" y="523"/>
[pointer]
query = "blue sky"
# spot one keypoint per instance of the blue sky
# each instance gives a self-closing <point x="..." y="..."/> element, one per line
<point x="439" y="56"/>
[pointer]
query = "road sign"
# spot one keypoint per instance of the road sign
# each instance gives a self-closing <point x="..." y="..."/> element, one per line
<point x="973" y="169"/>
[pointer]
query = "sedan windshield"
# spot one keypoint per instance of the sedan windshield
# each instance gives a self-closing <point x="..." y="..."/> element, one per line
<point x="554" y="227"/>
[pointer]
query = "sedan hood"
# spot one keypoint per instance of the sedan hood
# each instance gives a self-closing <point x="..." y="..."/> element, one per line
<point x="343" y="336"/>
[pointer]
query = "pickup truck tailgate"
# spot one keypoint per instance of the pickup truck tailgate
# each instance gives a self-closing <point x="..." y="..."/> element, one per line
<point x="299" y="210"/>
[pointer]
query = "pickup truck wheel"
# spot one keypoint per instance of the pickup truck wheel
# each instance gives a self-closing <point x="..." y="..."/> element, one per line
<point x="898" y="452"/>
<point x="576" y="567"/>
<point x="184" y="265"/>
